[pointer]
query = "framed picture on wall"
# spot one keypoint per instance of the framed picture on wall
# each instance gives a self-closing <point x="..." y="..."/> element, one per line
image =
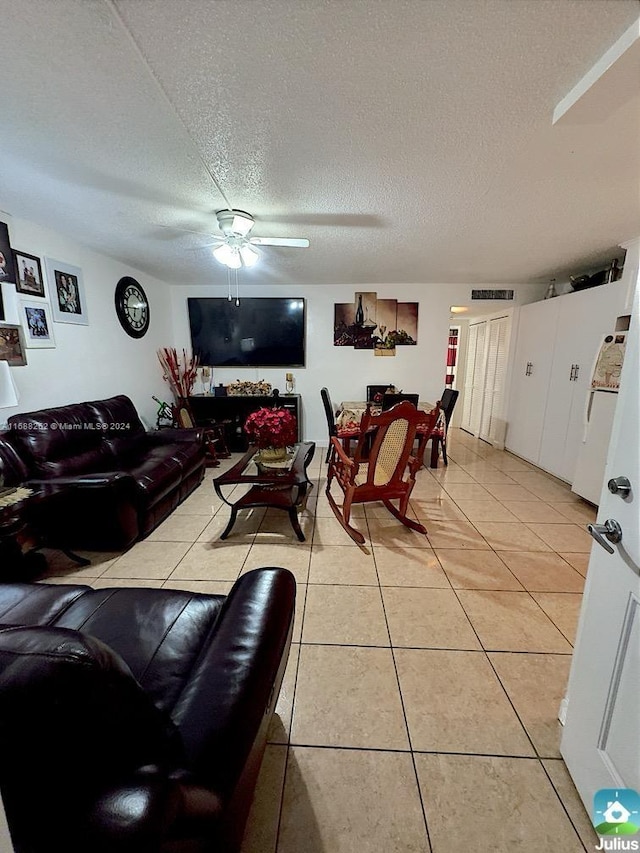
<point x="66" y="286"/>
<point x="7" y="270"/>
<point x="12" y="345"/>
<point x="29" y="279"/>
<point x="36" y="322"/>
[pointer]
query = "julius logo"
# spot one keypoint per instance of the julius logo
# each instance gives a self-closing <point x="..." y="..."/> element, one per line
<point x="616" y="817"/>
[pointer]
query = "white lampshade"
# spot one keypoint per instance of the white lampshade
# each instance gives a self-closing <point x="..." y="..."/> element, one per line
<point x="223" y="253"/>
<point x="228" y="255"/>
<point x="249" y="255"/>
<point x="8" y="390"/>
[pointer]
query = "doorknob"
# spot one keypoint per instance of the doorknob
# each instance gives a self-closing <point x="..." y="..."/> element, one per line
<point x="611" y="529"/>
<point x="619" y="486"/>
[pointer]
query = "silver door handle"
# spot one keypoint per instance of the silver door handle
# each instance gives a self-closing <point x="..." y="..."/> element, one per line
<point x="619" y="486"/>
<point x="611" y="529"/>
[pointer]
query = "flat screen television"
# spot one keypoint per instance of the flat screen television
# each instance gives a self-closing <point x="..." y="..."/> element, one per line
<point x="266" y="332"/>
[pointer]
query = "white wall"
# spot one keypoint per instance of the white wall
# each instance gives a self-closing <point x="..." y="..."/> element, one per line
<point x="346" y="372"/>
<point x="99" y="360"/>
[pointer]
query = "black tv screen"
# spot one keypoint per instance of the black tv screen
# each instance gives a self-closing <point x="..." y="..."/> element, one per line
<point x="258" y="333"/>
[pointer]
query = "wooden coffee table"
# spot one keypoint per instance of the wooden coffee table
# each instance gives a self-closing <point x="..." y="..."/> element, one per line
<point x="277" y="487"/>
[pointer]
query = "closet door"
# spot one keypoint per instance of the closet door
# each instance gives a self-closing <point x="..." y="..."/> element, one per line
<point x="474" y="378"/>
<point x="530" y="378"/>
<point x="493" y="421"/>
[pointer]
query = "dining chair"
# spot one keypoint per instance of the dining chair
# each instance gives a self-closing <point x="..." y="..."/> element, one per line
<point x="389" y="472"/>
<point x="374" y="391"/>
<point x="390" y="400"/>
<point x="439" y="434"/>
<point x="344" y="434"/>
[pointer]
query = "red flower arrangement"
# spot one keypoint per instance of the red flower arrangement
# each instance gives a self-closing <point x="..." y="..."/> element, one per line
<point x="271" y="428"/>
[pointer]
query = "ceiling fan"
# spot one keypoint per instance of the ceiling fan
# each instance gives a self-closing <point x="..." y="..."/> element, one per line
<point x="235" y="248"/>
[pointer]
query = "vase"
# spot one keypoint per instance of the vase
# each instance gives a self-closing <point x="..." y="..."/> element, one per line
<point x="273" y="454"/>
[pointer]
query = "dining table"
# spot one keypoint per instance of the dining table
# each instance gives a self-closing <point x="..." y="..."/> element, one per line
<point x="350" y="412"/>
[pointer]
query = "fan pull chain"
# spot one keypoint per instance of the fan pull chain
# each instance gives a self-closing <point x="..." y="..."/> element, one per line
<point x="229" y="284"/>
<point x="237" y="289"/>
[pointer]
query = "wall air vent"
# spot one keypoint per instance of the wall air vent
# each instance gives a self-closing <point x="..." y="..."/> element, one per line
<point x="492" y="294"/>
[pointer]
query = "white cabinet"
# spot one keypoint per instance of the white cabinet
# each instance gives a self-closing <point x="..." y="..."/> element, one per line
<point x="530" y="378"/>
<point x="558" y="340"/>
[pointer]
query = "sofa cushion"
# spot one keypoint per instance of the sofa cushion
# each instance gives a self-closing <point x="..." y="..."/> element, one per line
<point x="155" y="474"/>
<point x="172" y="627"/>
<point x="121" y="429"/>
<point x="60" y="688"/>
<point x="116" y="416"/>
<point x="36" y="604"/>
<point x="60" y="442"/>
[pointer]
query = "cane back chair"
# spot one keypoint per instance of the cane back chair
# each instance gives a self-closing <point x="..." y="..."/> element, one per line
<point x="390" y="470"/>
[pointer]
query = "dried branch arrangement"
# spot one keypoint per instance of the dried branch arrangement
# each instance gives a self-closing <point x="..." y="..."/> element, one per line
<point x="179" y="372"/>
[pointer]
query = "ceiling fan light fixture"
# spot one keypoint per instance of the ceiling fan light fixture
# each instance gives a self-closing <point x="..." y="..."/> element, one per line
<point x="249" y="256"/>
<point x="235" y="223"/>
<point x="241" y="224"/>
<point x="223" y="254"/>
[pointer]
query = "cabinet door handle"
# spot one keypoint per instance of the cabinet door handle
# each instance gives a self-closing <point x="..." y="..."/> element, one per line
<point x="575" y="375"/>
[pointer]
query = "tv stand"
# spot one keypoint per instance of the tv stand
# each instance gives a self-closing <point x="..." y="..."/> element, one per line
<point x="236" y="409"/>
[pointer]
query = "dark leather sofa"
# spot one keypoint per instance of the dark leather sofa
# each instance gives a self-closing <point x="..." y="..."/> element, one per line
<point x="134" y="720"/>
<point x="109" y="481"/>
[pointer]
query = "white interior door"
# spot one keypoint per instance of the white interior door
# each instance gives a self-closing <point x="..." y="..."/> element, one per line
<point x="492" y="426"/>
<point x="601" y="738"/>
<point x="474" y="378"/>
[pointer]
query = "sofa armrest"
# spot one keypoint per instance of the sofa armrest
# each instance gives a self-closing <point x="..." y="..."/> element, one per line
<point x="138" y="814"/>
<point x="176" y="436"/>
<point x="228" y="701"/>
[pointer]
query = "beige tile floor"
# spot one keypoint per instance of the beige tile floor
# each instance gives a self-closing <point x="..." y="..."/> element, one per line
<point x="418" y="710"/>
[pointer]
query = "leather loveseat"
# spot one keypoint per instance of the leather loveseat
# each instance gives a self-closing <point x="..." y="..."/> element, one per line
<point x="109" y="481"/>
<point x="135" y="720"/>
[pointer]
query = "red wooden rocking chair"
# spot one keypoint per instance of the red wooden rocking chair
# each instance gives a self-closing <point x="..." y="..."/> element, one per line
<point x="389" y="472"/>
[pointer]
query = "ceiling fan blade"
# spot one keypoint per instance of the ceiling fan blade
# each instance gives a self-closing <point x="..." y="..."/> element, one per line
<point x="191" y="231"/>
<point x="291" y="242"/>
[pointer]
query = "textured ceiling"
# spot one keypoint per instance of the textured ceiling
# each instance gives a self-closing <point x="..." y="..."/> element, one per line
<point x="409" y="140"/>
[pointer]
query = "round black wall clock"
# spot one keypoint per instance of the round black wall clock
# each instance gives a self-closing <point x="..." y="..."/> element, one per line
<point x="132" y="307"/>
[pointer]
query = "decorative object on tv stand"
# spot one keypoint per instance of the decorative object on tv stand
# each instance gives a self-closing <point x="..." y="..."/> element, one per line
<point x="290" y="383"/>
<point x="66" y="286"/>
<point x="179" y="372"/>
<point x="272" y="431"/>
<point x="249" y="389"/>
<point x="380" y="325"/>
<point x="206" y="379"/>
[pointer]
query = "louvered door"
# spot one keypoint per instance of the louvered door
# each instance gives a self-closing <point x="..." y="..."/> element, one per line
<point x="492" y="423"/>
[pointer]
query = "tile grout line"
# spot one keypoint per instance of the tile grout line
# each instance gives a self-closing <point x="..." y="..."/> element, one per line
<point x="404" y="711"/>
